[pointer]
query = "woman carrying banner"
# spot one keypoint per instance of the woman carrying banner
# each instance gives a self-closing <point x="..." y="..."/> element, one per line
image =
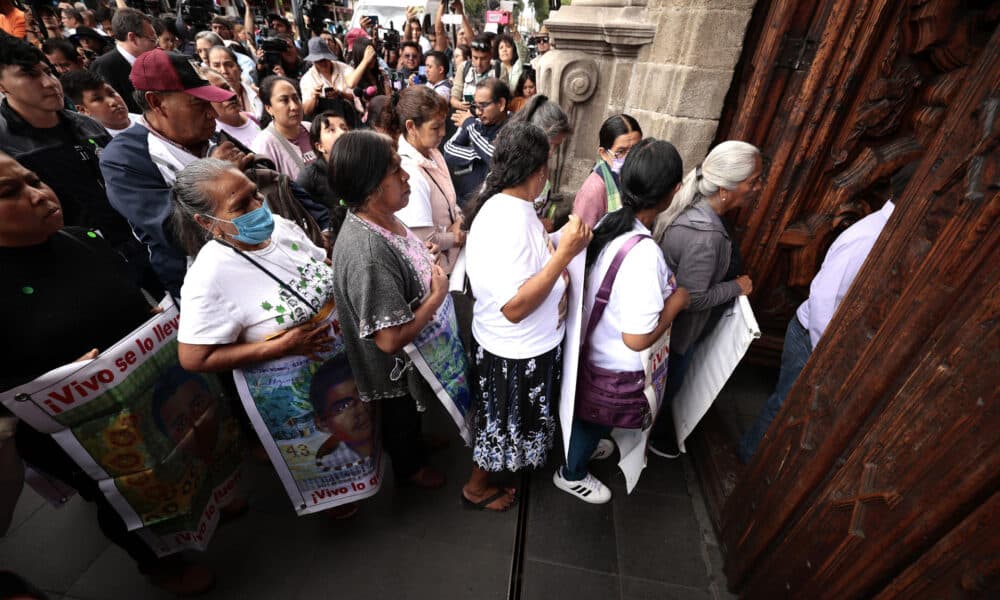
<point x="258" y="290"/>
<point x="388" y="289"/>
<point x="44" y="266"/>
<point x="640" y="308"/>
<point x="520" y="284"/>
<point x="600" y="193"/>
<point x="696" y="245"/>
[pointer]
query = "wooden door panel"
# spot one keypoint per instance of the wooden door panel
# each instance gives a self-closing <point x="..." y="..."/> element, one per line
<point x="964" y="564"/>
<point x="942" y="241"/>
<point x="913" y="474"/>
<point x="874" y="81"/>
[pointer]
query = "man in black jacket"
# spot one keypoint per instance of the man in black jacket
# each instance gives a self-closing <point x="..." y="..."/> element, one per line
<point x="61" y="147"/>
<point x="135" y="35"/>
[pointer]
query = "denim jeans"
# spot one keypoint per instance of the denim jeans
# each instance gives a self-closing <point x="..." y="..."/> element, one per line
<point x="794" y="355"/>
<point x="582" y="443"/>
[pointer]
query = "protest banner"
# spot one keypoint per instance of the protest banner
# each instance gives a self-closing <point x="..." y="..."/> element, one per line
<point x="323" y="441"/>
<point x="632" y="442"/>
<point x="571" y="344"/>
<point x="160" y="441"/>
<point x="439" y="356"/>
<point x="714" y="360"/>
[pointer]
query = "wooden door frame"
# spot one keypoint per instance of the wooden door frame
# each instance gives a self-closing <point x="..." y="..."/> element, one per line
<point x="891" y="328"/>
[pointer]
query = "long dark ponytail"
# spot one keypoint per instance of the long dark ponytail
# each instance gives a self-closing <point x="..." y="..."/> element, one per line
<point x="520" y="150"/>
<point x="650" y="173"/>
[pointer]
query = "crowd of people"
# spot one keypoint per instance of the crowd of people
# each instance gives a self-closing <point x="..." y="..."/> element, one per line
<point x="143" y="156"/>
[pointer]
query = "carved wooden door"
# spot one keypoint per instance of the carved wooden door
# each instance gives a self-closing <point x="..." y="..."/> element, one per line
<point x="839" y="95"/>
<point x="880" y="474"/>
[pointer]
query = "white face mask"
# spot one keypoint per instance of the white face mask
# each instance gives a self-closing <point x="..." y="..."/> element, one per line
<point x="616" y="165"/>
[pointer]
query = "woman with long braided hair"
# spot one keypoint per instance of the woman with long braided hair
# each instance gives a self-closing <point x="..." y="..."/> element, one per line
<point x="520" y="282"/>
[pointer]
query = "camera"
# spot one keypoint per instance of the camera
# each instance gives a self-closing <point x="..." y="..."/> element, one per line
<point x="396" y="80"/>
<point x="421" y="76"/>
<point x="197" y="13"/>
<point x="318" y="12"/>
<point x="273" y="48"/>
<point x="391" y="40"/>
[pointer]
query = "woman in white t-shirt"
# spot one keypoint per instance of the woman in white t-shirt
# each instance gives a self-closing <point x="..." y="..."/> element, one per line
<point x="642" y="304"/>
<point x="235" y="311"/>
<point x="237" y="124"/>
<point x="520" y="284"/>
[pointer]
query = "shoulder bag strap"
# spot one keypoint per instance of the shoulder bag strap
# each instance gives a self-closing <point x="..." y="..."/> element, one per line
<point x="441" y="189"/>
<point x="270" y="274"/>
<point x="291" y="150"/>
<point x="604" y="292"/>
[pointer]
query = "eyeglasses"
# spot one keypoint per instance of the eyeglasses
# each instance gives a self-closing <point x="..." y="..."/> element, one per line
<point x="411" y="56"/>
<point x="481" y="106"/>
<point x="620" y="154"/>
<point x="543" y="40"/>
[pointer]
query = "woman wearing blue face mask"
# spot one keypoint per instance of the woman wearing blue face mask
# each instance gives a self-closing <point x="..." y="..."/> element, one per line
<point x="258" y="290"/>
<point x="599" y="194"/>
<point x="236" y="313"/>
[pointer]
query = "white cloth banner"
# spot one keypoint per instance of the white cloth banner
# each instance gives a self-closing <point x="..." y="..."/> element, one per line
<point x="714" y="361"/>
<point x="632" y="442"/>
<point x="571" y="344"/>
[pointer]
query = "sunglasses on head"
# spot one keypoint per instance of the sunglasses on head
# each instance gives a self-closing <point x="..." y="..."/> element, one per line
<point x="481" y="46"/>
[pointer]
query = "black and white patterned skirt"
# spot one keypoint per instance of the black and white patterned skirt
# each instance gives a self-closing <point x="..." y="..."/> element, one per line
<point x="516" y="404"/>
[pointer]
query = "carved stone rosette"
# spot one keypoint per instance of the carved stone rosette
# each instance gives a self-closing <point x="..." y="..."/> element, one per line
<point x="591" y="37"/>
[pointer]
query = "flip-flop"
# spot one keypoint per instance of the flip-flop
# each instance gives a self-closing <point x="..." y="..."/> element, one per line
<point x="485" y="502"/>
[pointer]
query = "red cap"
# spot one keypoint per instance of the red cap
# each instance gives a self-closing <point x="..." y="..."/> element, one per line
<point x="353" y="35"/>
<point x="160" y="71"/>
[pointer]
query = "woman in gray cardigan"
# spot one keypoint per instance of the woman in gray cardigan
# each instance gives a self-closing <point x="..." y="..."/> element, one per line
<point x="387" y="289"/>
<point x="697" y="248"/>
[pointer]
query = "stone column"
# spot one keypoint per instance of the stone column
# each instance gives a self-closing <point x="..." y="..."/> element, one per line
<point x="668" y="63"/>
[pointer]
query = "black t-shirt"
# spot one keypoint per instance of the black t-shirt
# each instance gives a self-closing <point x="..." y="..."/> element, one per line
<point x="61" y="299"/>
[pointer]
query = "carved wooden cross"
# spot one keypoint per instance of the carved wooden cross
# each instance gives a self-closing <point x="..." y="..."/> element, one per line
<point x="866" y="495"/>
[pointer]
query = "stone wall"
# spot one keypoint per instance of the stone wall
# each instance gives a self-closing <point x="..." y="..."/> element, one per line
<point x="673" y="82"/>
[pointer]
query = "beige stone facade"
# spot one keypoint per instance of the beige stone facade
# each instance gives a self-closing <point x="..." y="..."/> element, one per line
<point x="668" y="63"/>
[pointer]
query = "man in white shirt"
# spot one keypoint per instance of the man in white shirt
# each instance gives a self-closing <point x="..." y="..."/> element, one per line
<point x="436" y="64"/>
<point x="843" y="261"/>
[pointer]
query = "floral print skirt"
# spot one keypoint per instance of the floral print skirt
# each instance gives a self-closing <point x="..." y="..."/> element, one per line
<point x="516" y="408"/>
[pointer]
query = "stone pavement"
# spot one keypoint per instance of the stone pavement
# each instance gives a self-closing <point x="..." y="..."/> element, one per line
<point x="656" y="543"/>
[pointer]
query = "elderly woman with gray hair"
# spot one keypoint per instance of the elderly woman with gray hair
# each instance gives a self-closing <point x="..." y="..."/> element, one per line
<point x="258" y="290"/>
<point x="697" y="247"/>
<point x="256" y="281"/>
<point x="548" y="116"/>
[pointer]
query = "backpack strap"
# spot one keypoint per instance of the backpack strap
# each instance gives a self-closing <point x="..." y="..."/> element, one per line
<point x="604" y="292"/>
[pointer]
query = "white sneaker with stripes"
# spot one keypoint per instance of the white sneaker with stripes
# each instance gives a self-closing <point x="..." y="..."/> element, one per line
<point x="589" y="489"/>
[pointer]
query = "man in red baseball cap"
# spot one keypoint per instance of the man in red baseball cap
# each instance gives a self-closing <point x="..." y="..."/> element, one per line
<point x="140" y="165"/>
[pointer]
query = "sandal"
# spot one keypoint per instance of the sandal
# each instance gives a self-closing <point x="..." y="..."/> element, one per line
<point x="485" y="502"/>
<point x="427" y="478"/>
<point x="234" y="510"/>
<point x="344" y="511"/>
<point x="180" y="577"/>
<point x="435" y="441"/>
